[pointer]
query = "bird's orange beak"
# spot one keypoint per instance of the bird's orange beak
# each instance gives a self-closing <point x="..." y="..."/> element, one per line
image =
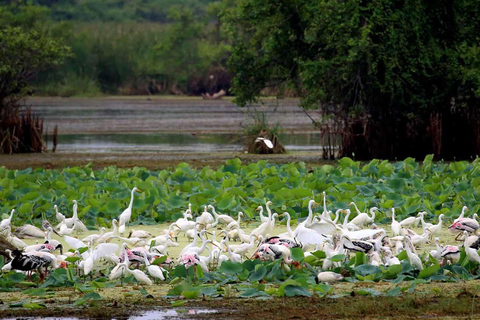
<point x="139" y="190"/>
<point x="63" y="265"/>
<point x="297" y="265"/>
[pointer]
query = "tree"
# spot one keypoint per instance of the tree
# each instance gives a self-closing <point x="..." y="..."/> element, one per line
<point x="22" y="55"/>
<point x="399" y="78"/>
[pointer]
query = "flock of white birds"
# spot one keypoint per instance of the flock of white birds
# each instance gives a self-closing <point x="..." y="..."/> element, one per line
<point x="322" y="231"/>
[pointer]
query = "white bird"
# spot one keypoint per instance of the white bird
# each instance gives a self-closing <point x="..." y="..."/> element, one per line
<point x="362" y="217"/>
<point x="94" y="237"/>
<point x="425" y="225"/>
<point x="234" y="257"/>
<point x="396" y="227"/>
<point x="134" y="242"/>
<point x="356" y="245"/>
<point x="462" y="214"/>
<point x="53" y="242"/>
<point x="420" y="239"/>
<point x="139" y="234"/>
<point x="65" y="230"/>
<point x="78" y="225"/>
<point x="307" y="235"/>
<point x="263" y="219"/>
<point x="412" y="256"/>
<point x="140" y="276"/>
<point x="101" y="251"/>
<point x="436" y="228"/>
<point x="119" y="270"/>
<point x="324" y="226"/>
<point x="153" y="270"/>
<point x="204" y="219"/>
<point x="437" y="254"/>
<point x="243" y="248"/>
<point x="267" y="142"/>
<point x="7" y="222"/>
<point x="262" y="229"/>
<point x="222" y="218"/>
<point x="58" y="214"/>
<point x="29" y="231"/>
<point x="69" y="221"/>
<point x="389" y="258"/>
<point x="107" y="236"/>
<point x="407" y="222"/>
<point x="328" y="277"/>
<point x="127" y="213"/>
<point x="471" y="253"/>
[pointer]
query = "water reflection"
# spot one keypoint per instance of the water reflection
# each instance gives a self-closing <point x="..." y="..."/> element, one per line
<point x="146" y="315"/>
<point x="173" y="142"/>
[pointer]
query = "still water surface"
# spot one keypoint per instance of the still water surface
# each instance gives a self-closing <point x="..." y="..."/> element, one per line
<point x="174" y="142"/>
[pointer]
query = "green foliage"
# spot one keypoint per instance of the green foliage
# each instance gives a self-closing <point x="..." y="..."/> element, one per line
<point x="145" y="47"/>
<point x="23" y="54"/>
<point x="386" y="74"/>
<point x="102" y="195"/>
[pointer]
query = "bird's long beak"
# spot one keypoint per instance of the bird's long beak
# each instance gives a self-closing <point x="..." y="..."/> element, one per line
<point x="55" y="231"/>
<point x="138" y="190"/>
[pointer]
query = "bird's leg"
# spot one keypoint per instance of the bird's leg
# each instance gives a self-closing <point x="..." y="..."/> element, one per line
<point x="456" y="238"/>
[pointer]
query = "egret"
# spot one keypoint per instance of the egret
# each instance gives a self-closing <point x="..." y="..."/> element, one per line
<point x="267" y="142"/>
<point x="396" y="227"/>
<point x="328" y="277"/>
<point x="127" y="213"/>
<point x="153" y="270"/>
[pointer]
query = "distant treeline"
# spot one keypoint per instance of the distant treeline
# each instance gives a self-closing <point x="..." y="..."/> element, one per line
<point x="129" y="47"/>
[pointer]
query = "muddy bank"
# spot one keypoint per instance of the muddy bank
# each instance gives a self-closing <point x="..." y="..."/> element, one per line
<point x="152" y="161"/>
<point x="157" y="114"/>
<point x="457" y="304"/>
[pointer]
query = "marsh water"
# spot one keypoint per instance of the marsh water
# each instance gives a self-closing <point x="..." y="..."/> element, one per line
<point x="100" y="125"/>
<point x="156" y="314"/>
<point x="173" y="142"/>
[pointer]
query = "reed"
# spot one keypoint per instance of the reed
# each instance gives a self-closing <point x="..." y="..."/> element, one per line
<point x="20" y="132"/>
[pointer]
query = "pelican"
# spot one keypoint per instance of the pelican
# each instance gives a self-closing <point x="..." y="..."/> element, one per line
<point x="29" y="231"/>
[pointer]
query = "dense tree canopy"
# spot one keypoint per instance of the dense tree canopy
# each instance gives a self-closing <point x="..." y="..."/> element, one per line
<point x="402" y="78"/>
<point x="23" y="53"/>
<point x="128" y="47"/>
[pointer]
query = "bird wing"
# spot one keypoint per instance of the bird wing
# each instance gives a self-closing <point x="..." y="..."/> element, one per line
<point x="321" y="227"/>
<point x="308" y="236"/>
<point x="365" y="233"/>
<point x="103" y="250"/>
<point x="74" y="243"/>
<point x="267" y="142"/>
